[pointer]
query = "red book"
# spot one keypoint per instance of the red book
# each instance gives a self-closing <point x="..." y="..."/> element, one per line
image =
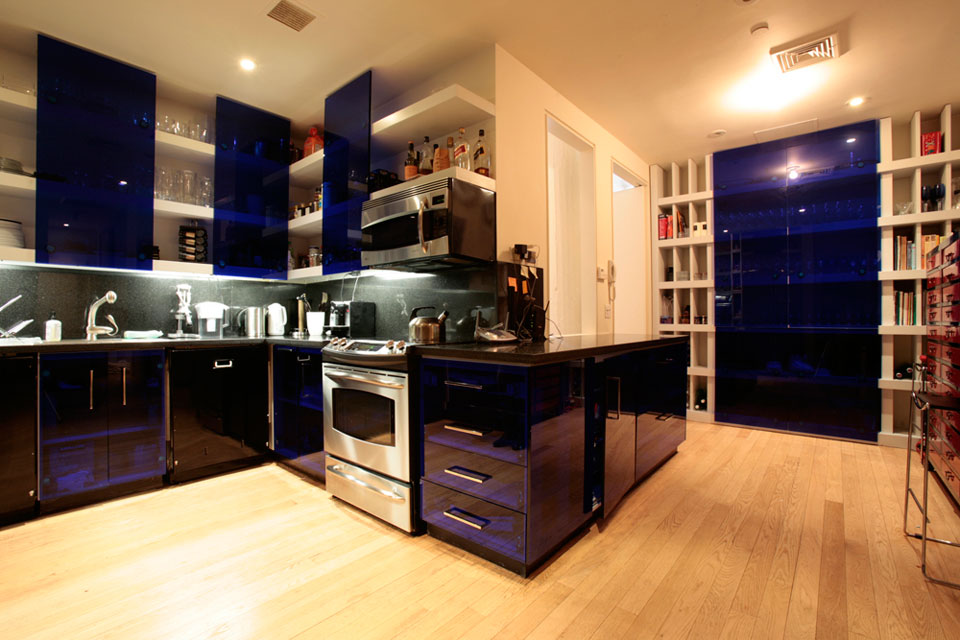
<point x="930" y="143"/>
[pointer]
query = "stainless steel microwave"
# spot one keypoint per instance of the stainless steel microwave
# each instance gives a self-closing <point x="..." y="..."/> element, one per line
<point x="444" y="222"/>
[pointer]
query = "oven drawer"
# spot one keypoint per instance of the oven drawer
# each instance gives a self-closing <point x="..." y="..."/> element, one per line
<point x="481" y="476"/>
<point x="508" y="447"/>
<point x="378" y="495"/>
<point x="494" y="527"/>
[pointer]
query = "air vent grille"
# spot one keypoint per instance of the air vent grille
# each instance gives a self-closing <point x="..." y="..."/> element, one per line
<point x="291" y="15"/>
<point x="808" y="53"/>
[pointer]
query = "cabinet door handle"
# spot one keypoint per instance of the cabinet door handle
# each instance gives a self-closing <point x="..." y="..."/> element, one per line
<point x="466" y="430"/>
<point x="91" y="389"/>
<point x="617" y="417"/>
<point x="223" y="364"/>
<point x="466" y="518"/>
<point x="299" y="359"/>
<point x="463" y="385"/>
<point x="124" y="375"/>
<point x="467" y="474"/>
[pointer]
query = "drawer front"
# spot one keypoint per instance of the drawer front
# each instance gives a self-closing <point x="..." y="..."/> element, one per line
<point x="949" y="294"/>
<point x="933" y="297"/>
<point x="950" y="273"/>
<point x="492" y="526"/>
<point x="933" y="315"/>
<point x="488" y="478"/>
<point x="493" y="444"/>
<point x="950" y="313"/>
<point x="933" y="348"/>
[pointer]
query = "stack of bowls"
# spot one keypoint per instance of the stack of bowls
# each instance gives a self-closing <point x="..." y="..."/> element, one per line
<point x="11" y="234"/>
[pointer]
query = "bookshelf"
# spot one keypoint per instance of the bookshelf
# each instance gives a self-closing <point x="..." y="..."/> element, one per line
<point x="906" y="176"/>
<point x="682" y="199"/>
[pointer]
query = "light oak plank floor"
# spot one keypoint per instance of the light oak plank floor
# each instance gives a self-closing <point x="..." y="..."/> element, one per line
<point x="743" y="534"/>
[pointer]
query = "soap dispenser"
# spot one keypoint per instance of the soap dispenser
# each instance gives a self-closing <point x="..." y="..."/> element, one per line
<point x="52" y="328"/>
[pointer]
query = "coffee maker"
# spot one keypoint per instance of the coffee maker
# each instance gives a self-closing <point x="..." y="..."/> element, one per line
<point x="350" y="319"/>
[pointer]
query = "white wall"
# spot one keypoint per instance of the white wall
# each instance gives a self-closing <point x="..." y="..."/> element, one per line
<point x="523" y="102"/>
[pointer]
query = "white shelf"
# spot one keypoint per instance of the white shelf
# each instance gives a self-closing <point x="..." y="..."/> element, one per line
<point x="685" y="328"/>
<point x="305" y="273"/>
<point x="902" y="330"/>
<point x="307" y="173"/>
<point x="183" y="267"/>
<point x="909" y="219"/>
<point x="16" y="106"/>
<point x="686" y="284"/>
<point x="14" y="184"/>
<point x="173" y="146"/>
<point x="906" y="166"/>
<point x="453" y="172"/>
<point x="685" y="242"/>
<point x="306" y="226"/>
<point x="180" y="210"/>
<point x="435" y="116"/>
<point x="18" y="255"/>
<point x="687" y="198"/>
<point x="895" y="385"/>
<point x="902" y="274"/>
<point x="699" y="416"/>
<point x="701" y="371"/>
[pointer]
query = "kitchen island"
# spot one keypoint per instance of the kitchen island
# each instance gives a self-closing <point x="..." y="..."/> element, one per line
<point x="524" y="444"/>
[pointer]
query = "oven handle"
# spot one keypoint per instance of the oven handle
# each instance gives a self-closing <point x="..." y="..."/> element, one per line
<point x="338" y="470"/>
<point x="423" y="243"/>
<point x="376" y="383"/>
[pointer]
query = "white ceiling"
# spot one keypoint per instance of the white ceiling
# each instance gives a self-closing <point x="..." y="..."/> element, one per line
<point x="658" y="75"/>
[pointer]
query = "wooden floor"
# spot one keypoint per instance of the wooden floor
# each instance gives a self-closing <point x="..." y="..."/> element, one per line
<point x="742" y="534"/>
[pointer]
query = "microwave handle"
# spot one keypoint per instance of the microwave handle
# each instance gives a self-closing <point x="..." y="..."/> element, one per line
<point x="423" y="244"/>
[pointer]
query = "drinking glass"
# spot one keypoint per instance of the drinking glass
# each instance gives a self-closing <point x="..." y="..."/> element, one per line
<point x="177" y="192"/>
<point x="165" y="183"/>
<point x="189" y="193"/>
<point x="206" y="192"/>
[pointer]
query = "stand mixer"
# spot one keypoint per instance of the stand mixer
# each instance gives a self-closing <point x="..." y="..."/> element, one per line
<point x="182" y="312"/>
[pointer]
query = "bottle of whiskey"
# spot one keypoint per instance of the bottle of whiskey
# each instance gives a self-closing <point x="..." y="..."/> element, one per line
<point x="442" y="156"/>
<point x="410" y="164"/>
<point x="481" y="158"/>
<point x="461" y="152"/>
<point x="426" y="157"/>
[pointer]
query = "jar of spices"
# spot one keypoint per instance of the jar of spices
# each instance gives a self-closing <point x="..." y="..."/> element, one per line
<point x="314" y="256"/>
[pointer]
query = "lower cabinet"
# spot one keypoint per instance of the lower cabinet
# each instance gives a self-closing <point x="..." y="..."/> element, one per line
<point x="298" y="408"/>
<point x="101" y="425"/>
<point x="218" y="409"/>
<point x="18" y="442"/>
<point x="505" y="466"/>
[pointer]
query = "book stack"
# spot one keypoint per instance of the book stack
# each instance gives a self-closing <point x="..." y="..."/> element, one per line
<point x="930" y="242"/>
<point x="193" y="244"/>
<point x="903" y="253"/>
<point x="905" y="308"/>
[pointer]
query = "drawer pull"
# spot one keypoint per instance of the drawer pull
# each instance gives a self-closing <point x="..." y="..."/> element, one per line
<point x="299" y="359"/>
<point x="467" y="474"/>
<point x="466" y="430"/>
<point x="465" y="518"/>
<point x="463" y="385"/>
<point x="223" y="364"/>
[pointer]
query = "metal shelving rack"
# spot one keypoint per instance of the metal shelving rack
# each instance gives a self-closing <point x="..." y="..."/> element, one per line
<point x="687" y="191"/>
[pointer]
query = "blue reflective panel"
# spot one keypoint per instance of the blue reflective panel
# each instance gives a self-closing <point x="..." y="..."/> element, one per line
<point x="346" y="164"/>
<point x="95" y="158"/>
<point x="137" y="437"/>
<point x="251" y="191"/>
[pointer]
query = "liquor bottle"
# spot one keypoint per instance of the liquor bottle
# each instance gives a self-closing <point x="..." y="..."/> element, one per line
<point x="442" y="156"/>
<point x="481" y="158"/>
<point x="410" y="164"/>
<point x="461" y="152"/>
<point x="313" y="143"/>
<point x="426" y="157"/>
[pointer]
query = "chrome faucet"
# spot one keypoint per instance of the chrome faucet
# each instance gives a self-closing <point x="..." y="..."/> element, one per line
<point x="92" y="329"/>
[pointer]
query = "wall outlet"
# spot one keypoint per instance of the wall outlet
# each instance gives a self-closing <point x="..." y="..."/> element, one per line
<point x="607" y="311"/>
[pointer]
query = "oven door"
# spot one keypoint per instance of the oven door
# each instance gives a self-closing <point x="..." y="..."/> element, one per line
<point x="366" y="420"/>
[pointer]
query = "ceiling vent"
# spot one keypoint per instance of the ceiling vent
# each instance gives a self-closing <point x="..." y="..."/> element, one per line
<point x="291" y="15"/>
<point x="803" y="55"/>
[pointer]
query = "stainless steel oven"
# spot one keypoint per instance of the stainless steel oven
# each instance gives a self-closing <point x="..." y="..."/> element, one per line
<point x="366" y="435"/>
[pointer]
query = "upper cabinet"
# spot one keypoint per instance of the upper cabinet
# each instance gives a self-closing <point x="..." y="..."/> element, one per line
<point x="95" y="159"/>
<point x="251" y="187"/>
<point x="346" y="143"/>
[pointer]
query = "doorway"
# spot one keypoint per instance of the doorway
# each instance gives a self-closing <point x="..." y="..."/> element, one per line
<point x="628" y="283"/>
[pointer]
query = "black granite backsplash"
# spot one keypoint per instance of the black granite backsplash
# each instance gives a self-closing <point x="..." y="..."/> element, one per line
<point x="146" y="301"/>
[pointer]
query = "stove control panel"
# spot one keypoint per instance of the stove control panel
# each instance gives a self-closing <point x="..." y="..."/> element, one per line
<point x="367" y="347"/>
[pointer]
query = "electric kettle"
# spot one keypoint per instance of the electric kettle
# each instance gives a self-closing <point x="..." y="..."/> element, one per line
<point x="276" y="319"/>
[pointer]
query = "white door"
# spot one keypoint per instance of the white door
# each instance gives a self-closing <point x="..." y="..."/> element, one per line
<point x="631" y="302"/>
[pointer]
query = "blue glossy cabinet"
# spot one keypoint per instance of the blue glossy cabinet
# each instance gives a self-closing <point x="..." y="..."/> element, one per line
<point x="95" y="159"/>
<point x="251" y="191"/>
<point x="18" y="436"/>
<point x="101" y="423"/>
<point x="346" y="164"/>
<point x="298" y="408"/>
<point x="797" y="296"/>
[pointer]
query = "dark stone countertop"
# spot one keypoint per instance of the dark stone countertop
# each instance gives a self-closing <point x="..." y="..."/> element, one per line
<point x="120" y="344"/>
<point x="551" y="351"/>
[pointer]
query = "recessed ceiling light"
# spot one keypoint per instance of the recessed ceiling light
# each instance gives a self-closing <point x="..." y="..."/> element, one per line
<point x="801" y="210"/>
<point x="247" y="64"/>
<point x="759" y="28"/>
<point x="856" y="102"/>
<point x="122" y="183"/>
<point x="716" y="133"/>
<point x="66" y="224"/>
<point x="851" y="140"/>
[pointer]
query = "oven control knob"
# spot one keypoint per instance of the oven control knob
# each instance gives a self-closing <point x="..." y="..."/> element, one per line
<point x="401" y="346"/>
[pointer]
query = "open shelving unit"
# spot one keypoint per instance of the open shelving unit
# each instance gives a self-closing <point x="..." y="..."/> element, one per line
<point x="903" y="174"/>
<point x="683" y="270"/>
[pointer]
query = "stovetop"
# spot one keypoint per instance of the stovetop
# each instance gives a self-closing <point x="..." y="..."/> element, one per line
<point x="381" y="354"/>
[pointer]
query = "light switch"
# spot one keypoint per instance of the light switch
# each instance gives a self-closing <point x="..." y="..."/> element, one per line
<point x="601" y="274"/>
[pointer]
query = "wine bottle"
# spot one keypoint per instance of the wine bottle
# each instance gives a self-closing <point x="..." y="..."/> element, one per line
<point x="481" y="158"/>
<point x="410" y="164"/>
<point x="461" y="152"/>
